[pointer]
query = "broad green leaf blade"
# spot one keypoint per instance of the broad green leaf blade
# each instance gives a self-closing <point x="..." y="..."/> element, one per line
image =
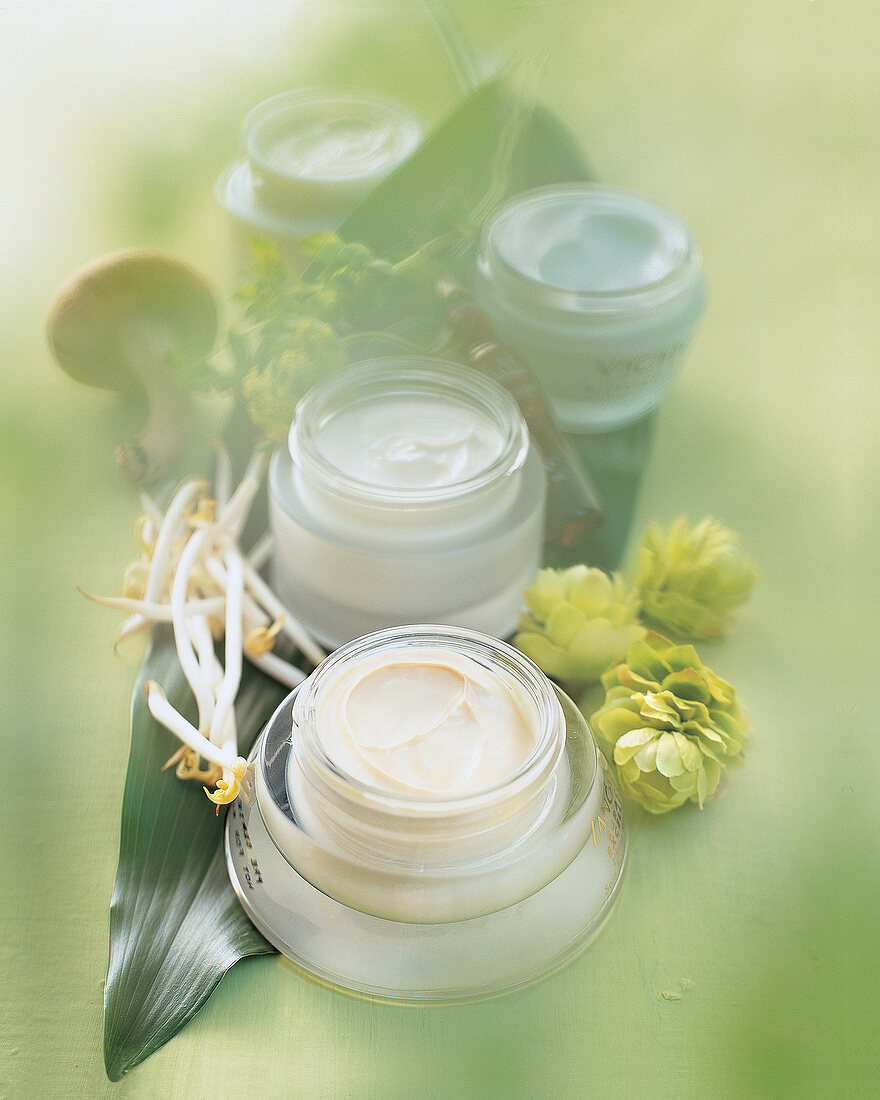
<point x="491" y="146"/>
<point x="175" y="924"/>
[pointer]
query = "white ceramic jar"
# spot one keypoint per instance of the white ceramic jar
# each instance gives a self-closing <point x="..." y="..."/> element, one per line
<point x="408" y="493"/>
<point x="387" y="845"/>
<point x="599" y="289"/>
<point x="312" y="155"/>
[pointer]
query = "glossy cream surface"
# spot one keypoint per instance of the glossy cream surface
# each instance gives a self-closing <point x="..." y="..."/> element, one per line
<point x="425" y="722"/>
<point x="347" y="145"/>
<point x="410" y="443"/>
<point x="586" y="244"/>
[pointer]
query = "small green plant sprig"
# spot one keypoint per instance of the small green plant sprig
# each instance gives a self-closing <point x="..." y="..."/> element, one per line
<point x="272" y="391"/>
<point x="348" y="304"/>
<point x="669" y="723"/>
<point x="297" y="328"/>
<point x="345" y="285"/>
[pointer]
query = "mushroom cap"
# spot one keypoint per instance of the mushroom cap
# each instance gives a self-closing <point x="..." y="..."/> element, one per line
<point x="90" y="315"/>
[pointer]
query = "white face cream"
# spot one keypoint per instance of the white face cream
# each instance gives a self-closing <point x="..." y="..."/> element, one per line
<point x="430" y="722"/>
<point x="409" y="493"/>
<point x="411" y="443"/>
<point x="336" y="141"/>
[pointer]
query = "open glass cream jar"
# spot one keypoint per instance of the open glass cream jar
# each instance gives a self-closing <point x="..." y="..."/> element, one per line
<point x="427" y="817"/>
<point x="409" y="492"/>
<point x="599" y="290"/>
<point x="312" y="155"/>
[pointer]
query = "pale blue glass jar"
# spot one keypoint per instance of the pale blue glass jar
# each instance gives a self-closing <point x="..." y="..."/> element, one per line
<point x="600" y="290"/>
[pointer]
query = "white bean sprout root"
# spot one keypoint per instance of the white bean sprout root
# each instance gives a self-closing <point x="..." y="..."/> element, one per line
<point x="193" y="574"/>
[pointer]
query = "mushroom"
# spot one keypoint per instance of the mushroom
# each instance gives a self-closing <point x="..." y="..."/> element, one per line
<point x="117" y="323"/>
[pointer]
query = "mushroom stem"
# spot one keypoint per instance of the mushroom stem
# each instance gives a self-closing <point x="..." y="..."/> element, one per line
<point x="119" y="324"/>
<point x="222" y="477"/>
<point x="150" y="456"/>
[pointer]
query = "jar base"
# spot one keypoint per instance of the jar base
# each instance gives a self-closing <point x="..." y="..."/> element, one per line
<point x="391" y="960"/>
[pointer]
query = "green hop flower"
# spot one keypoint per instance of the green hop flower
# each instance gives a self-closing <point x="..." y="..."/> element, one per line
<point x="580" y="622"/>
<point x="688" y="579"/>
<point x="671" y="723"/>
<point x="312" y="352"/>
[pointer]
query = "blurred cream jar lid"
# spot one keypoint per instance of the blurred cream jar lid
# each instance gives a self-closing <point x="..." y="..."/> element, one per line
<point x="409" y="492"/>
<point x="312" y="155"/>
<point x="600" y="290"/>
<point x="427" y="817"/>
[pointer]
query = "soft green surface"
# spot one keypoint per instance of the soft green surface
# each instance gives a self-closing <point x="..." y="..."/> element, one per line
<point x="759" y="123"/>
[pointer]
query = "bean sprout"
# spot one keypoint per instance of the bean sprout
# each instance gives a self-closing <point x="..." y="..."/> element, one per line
<point x="193" y="574"/>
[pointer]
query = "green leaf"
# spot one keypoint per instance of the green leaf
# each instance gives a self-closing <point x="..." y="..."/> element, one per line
<point x="175" y="924"/>
<point x="491" y="146"/>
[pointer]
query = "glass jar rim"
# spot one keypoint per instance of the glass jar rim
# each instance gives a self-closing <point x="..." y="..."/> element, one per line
<point x="483" y="649"/>
<point x="560" y="302"/>
<point x="420" y="375"/>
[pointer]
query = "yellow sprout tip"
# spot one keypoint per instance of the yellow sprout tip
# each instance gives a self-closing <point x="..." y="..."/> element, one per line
<point x="205" y="512"/>
<point x="224" y="792"/>
<point x="261" y="639"/>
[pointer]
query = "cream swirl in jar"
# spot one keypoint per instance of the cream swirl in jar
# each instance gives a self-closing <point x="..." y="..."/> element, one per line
<point x="338" y="141"/>
<point x="417" y="751"/>
<point x="428" y="722"/>
<point x="411" y="443"/>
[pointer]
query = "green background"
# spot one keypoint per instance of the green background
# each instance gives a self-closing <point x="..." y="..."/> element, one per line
<point x="759" y="123"/>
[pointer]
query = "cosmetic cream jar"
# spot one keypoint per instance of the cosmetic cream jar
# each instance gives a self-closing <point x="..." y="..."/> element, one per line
<point x="599" y="289"/>
<point x="409" y="492"/>
<point x="312" y="155"/>
<point x="427" y="817"/>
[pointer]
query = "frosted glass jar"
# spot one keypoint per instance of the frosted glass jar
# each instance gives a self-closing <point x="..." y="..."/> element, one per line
<point x="600" y="290"/>
<point x="418" y="895"/>
<point x="312" y="155"/>
<point x="408" y="493"/>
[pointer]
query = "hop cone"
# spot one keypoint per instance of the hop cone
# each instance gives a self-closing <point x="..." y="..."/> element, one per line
<point x="580" y="621"/>
<point x="688" y="579"/>
<point x="672" y="724"/>
<point x="271" y="391"/>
